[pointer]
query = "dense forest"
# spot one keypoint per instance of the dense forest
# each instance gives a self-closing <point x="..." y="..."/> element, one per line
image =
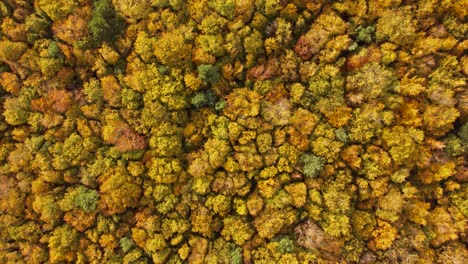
<point x="233" y="131"/>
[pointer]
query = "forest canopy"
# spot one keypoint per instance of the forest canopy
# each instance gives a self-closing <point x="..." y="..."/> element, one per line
<point x="233" y="131"/>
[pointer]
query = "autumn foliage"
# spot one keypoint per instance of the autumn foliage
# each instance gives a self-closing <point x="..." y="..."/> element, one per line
<point x="222" y="131"/>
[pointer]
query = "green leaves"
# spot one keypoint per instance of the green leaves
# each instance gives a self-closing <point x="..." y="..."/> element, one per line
<point x="365" y="34"/>
<point x="80" y="197"/>
<point x="126" y="243"/>
<point x="106" y="24"/>
<point x="209" y="73"/>
<point x="205" y="98"/>
<point x="312" y="165"/>
<point x="86" y="198"/>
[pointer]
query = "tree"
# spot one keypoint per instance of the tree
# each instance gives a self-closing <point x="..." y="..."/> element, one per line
<point x="63" y="244"/>
<point x="11" y="51"/>
<point x="313" y="165"/>
<point x="209" y="73"/>
<point x="16" y="110"/>
<point x="172" y="49"/>
<point x="133" y="9"/>
<point x="59" y="9"/>
<point x="80" y="197"/>
<point x="117" y="191"/>
<point x="105" y="24"/>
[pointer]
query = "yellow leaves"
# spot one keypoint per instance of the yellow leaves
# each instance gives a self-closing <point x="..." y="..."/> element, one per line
<point x="403" y="143"/>
<point x="383" y="235"/>
<point x="133" y="9"/>
<point x="377" y="162"/>
<point x="438" y="172"/>
<point x="272" y="46"/>
<point x="270" y="222"/>
<point x="351" y="155"/>
<point x="63" y="244"/>
<point x="108" y="241"/>
<point x="11" y="198"/>
<point x="418" y="211"/>
<point x="298" y="193"/>
<point x="236" y="229"/>
<point x="304" y="121"/>
<point x="332" y="23"/>
<point x="220" y="204"/>
<point x="50" y="66"/>
<point x="11" y="51"/>
<point x="454" y="6"/>
<point x="16" y="110"/>
<point x="363" y="223"/>
<point x="144" y="46"/>
<point x="400" y="175"/>
<point x="57" y="10"/>
<point x="155" y="243"/>
<point x="244" y="9"/>
<point x="397" y="26"/>
<point x="165" y="170"/>
<point x="268" y="172"/>
<point x="269" y="187"/>
<point x="111" y="90"/>
<point x="10" y="82"/>
<point x="336" y="196"/>
<point x="430" y="45"/>
<point x="336" y="225"/>
<point x="173" y="50"/>
<point x="326" y="148"/>
<point x="438" y="120"/>
<point x="210" y="158"/>
<point x="74" y="28"/>
<point x="202" y="221"/>
<point x="183" y="251"/>
<point x="367" y="122"/>
<point x="110" y="55"/>
<point x="334" y="48"/>
<point x="390" y="206"/>
<point x="339" y="116"/>
<point x="217" y="151"/>
<point x="211" y="44"/>
<point x="139" y="236"/>
<point x="47" y="207"/>
<point x="411" y="86"/>
<point x="278" y="113"/>
<point x="254" y="204"/>
<point x="442" y="226"/>
<point x="388" y="52"/>
<point x="247" y="137"/>
<point x="242" y="103"/>
<point x="369" y="82"/>
<point x="167" y="146"/>
<point x="410" y="114"/>
<point x="117" y="191"/>
<point x="232" y="131"/>
<point x="192" y="81"/>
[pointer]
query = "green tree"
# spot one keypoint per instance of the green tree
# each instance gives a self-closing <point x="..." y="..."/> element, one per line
<point x="202" y="99"/>
<point x="105" y="24"/>
<point x="80" y="197"/>
<point x="209" y="73"/>
<point x="312" y="165"/>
